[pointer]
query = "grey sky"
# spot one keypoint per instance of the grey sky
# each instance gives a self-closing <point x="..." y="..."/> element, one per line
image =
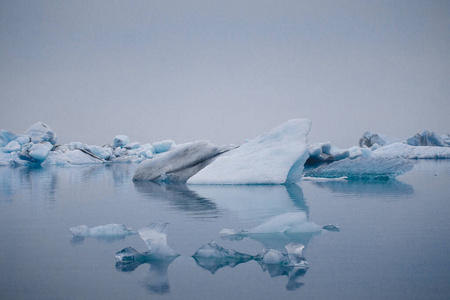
<point x="224" y="70"/>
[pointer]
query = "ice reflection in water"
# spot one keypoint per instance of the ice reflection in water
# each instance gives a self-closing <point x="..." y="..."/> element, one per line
<point x="156" y="279"/>
<point x="380" y="189"/>
<point x="254" y="202"/>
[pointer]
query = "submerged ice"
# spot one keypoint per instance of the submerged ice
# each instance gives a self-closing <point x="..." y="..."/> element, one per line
<point x="102" y="230"/>
<point x="288" y="223"/>
<point x="363" y="168"/>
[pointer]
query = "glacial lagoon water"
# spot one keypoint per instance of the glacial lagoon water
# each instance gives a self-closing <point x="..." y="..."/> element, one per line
<point x="393" y="243"/>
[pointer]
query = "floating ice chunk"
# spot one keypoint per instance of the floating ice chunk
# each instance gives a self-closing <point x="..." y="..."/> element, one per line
<point x="102" y="231"/>
<point x="292" y="222"/>
<point x="271" y="257"/>
<point x="180" y="163"/>
<point x="213" y="257"/>
<point x="364" y="168"/>
<point x="75" y="157"/>
<point x="155" y="237"/>
<point x="12" y="146"/>
<point x="134" y="145"/>
<point x="41" y="132"/>
<point x="321" y="152"/>
<point x="276" y="157"/>
<point x="370" y="140"/>
<point x="413" y="152"/>
<point x="40" y="151"/>
<point x="213" y="250"/>
<point x="6" y="137"/>
<point x="331" y="227"/>
<point x="163" y="146"/>
<point x="429" y="138"/>
<point x="101" y="152"/>
<point x="120" y="141"/>
<point x="23" y="139"/>
<point x="294" y="257"/>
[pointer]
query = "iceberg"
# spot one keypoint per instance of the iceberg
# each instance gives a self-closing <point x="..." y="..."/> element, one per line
<point x="155" y="237"/>
<point x="429" y="138"/>
<point x="370" y="139"/>
<point x="12" y="146"/>
<point x="276" y="157"/>
<point x="121" y="141"/>
<point x="163" y="146"/>
<point x="293" y="258"/>
<point x="325" y="152"/>
<point x="213" y="257"/>
<point x="365" y="168"/>
<point x="406" y="151"/>
<point x="40" y="151"/>
<point x="6" y="137"/>
<point x="109" y="230"/>
<point x="41" y="132"/>
<point x="180" y="163"/>
<point x="288" y="223"/>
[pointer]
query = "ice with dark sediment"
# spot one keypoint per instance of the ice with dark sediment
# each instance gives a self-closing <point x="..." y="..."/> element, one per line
<point x="180" y="163"/>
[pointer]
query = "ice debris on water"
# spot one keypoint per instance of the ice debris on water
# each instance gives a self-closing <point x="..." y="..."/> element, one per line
<point x="102" y="230"/>
<point x="155" y="237"/>
<point x="331" y="227"/>
<point x="213" y="257"/>
<point x="288" y="223"/>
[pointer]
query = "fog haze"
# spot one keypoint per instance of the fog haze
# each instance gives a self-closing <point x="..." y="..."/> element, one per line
<point x="224" y="70"/>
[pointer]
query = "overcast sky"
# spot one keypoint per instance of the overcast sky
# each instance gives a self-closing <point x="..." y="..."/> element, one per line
<point x="224" y="70"/>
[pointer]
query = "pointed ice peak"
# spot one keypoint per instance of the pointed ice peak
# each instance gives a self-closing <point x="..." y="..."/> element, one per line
<point x="155" y="237"/>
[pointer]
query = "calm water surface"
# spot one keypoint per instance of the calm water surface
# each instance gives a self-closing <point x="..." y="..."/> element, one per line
<point x="394" y="241"/>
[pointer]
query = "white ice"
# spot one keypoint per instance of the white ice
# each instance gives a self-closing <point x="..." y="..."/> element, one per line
<point x="41" y="132"/>
<point x="163" y="146"/>
<point x="155" y="237"/>
<point x="102" y="230"/>
<point x="412" y="152"/>
<point x="120" y="141"/>
<point x="276" y="157"/>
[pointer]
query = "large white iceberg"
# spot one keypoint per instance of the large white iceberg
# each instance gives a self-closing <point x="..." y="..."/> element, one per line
<point x="276" y="157"/>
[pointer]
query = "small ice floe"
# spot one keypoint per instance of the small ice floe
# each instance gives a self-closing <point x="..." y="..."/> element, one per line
<point x="155" y="237"/>
<point x="331" y="227"/>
